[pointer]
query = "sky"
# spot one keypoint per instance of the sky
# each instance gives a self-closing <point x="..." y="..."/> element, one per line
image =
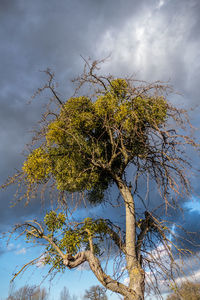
<point x="150" y="39"/>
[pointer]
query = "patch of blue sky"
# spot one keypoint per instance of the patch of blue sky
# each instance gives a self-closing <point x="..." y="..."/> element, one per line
<point x="19" y="253"/>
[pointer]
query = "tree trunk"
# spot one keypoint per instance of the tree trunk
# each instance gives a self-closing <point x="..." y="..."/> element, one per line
<point x="136" y="273"/>
<point x="135" y="290"/>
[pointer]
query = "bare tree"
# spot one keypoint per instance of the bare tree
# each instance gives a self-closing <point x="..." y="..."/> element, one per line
<point x="95" y="293"/>
<point x="65" y="295"/>
<point x="28" y="293"/>
<point x="187" y="291"/>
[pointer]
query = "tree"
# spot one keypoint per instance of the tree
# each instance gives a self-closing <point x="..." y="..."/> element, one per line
<point x="28" y="293"/>
<point x="89" y="144"/>
<point x="95" y="293"/>
<point x="187" y="291"/>
<point x="65" y="295"/>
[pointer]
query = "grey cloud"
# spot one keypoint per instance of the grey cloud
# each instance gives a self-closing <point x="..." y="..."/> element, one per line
<point x="189" y="232"/>
<point x="160" y="46"/>
<point x="152" y="42"/>
<point x="35" y="36"/>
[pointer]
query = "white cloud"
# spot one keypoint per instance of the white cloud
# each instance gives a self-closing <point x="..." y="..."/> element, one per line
<point x="40" y="263"/>
<point x="21" y="251"/>
<point x="160" y="253"/>
<point x="84" y="267"/>
<point x="193" y="204"/>
<point x="160" y="3"/>
<point x="10" y="246"/>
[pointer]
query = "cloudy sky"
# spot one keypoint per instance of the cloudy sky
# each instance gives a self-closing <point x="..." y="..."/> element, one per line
<point x="152" y="39"/>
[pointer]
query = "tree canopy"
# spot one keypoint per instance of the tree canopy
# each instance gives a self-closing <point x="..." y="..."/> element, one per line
<point x="88" y="144"/>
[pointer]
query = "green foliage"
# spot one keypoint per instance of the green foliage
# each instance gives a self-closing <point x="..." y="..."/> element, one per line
<point x="87" y="138"/>
<point x="37" y="166"/>
<point x="54" y="221"/>
<point x="130" y="115"/>
<point x="72" y="238"/>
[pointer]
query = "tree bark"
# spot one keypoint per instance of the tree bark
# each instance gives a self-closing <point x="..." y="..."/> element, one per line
<point x="109" y="283"/>
<point x="135" y="271"/>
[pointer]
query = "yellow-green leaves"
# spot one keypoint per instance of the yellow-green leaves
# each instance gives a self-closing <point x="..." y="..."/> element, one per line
<point x="108" y="105"/>
<point x="79" y="113"/>
<point x="94" y="227"/>
<point x="76" y="119"/>
<point x="74" y="237"/>
<point x="71" y="241"/>
<point x="37" y="167"/>
<point x="87" y="138"/>
<point x="56" y="133"/>
<point x="54" y="221"/>
<point x="124" y="112"/>
<point x="77" y="237"/>
<point x="119" y="87"/>
<point x="149" y="110"/>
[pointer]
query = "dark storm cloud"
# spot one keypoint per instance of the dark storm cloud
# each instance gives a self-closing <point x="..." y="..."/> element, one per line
<point x="56" y="33"/>
<point x="188" y="230"/>
<point x="153" y="39"/>
<point x="36" y="35"/>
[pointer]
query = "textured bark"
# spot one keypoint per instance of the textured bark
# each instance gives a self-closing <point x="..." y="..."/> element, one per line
<point x="109" y="283"/>
<point x="136" y="273"/>
<point x="74" y="261"/>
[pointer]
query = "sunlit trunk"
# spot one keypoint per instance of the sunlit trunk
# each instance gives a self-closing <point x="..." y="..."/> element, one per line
<point x="136" y="273"/>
